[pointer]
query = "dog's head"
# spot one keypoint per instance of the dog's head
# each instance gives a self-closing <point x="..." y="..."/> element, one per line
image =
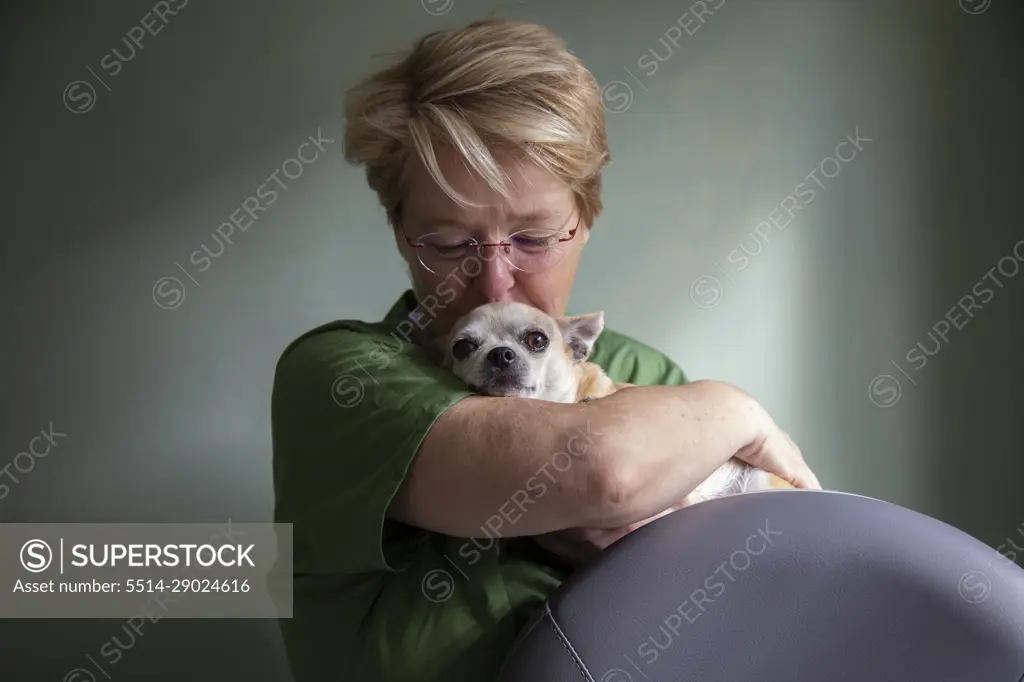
<point x="512" y="349"/>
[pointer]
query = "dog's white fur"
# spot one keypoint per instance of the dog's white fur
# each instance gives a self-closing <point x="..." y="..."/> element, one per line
<point x="557" y="372"/>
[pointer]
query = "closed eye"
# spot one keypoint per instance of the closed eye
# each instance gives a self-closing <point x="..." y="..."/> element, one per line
<point x="535" y="241"/>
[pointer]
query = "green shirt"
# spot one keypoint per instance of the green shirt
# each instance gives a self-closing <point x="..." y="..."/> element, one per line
<point x="376" y="600"/>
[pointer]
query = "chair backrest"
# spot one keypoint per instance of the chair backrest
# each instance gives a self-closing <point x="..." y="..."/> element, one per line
<point x="793" y="586"/>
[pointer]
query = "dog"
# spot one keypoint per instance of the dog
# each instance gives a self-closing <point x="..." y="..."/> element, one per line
<point x="513" y="349"/>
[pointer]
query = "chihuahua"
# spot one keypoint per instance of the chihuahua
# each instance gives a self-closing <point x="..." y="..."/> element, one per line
<point x="513" y="349"/>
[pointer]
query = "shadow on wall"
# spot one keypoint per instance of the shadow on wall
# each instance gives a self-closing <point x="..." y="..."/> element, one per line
<point x="955" y="367"/>
<point x="967" y="360"/>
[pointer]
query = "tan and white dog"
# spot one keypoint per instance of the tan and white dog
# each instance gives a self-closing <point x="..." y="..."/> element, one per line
<point x="513" y="349"/>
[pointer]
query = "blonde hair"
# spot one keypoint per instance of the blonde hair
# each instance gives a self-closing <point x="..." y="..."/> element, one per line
<point x="495" y="83"/>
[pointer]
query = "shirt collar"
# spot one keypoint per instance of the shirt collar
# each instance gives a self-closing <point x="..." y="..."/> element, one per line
<point x="402" y="308"/>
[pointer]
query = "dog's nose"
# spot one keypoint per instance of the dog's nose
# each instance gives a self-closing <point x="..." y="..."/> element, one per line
<point x="501" y="357"/>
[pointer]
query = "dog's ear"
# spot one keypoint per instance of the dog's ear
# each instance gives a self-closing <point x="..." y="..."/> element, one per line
<point x="580" y="332"/>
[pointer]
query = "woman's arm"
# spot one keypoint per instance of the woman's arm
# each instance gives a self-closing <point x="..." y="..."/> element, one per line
<point x="516" y="466"/>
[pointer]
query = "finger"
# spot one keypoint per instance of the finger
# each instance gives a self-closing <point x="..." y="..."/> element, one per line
<point x="814" y="479"/>
<point x="808" y="480"/>
<point x="811" y="480"/>
<point x="799" y="470"/>
<point x="801" y="478"/>
<point x="793" y="443"/>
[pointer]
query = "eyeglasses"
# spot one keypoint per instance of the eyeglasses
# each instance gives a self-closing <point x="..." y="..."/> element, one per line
<point x="531" y="250"/>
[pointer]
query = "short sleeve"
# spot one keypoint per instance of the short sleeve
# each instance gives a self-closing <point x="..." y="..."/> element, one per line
<point x="349" y="410"/>
<point x="630" y="361"/>
<point x="672" y="375"/>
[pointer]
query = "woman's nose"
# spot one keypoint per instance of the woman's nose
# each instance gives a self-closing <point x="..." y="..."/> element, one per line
<point x="496" y="277"/>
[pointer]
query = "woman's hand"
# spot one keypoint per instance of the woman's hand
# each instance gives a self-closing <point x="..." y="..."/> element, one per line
<point x="580" y="546"/>
<point x="775" y="452"/>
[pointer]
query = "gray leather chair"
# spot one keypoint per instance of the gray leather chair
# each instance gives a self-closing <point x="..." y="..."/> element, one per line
<point x="784" y="586"/>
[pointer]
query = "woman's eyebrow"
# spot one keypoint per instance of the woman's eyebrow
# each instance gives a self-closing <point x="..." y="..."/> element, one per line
<point x="531" y="216"/>
<point x="433" y="221"/>
<point x="538" y="215"/>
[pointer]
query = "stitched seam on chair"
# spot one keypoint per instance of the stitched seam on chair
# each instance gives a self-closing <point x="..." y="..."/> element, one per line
<point x="530" y="628"/>
<point x="567" y="644"/>
<point x="522" y="636"/>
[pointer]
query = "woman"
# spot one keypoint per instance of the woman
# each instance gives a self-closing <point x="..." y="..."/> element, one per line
<point x="396" y="477"/>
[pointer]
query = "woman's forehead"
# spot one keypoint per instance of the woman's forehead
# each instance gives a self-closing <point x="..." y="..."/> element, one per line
<point x="533" y="192"/>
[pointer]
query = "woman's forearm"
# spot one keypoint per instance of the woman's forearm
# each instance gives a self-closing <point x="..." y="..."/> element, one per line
<point x="655" y="444"/>
<point x="518" y="466"/>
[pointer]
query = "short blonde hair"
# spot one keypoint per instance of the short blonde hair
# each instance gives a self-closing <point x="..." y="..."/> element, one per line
<point x="495" y="83"/>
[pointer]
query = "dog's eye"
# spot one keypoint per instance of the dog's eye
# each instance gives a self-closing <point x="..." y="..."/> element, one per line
<point x="463" y="348"/>
<point x="536" y="341"/>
